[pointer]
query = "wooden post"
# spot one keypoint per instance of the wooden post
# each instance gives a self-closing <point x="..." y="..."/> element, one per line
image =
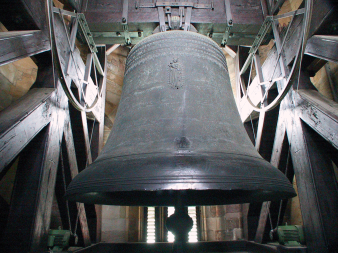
<point x="33" y="194"/>
<point x="316" y="186"/>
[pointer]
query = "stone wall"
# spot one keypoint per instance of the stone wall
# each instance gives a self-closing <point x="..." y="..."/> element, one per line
<point x="222" y="223"/>
<point x="114" y="218"/>
<point x="114" y="224"/>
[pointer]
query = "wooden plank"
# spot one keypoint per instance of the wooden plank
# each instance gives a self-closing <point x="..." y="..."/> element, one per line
<point x="325" y="184"/>
<point x="306" y="163"/>
<point x="323" y="47"/>
<point x="97" y="130"/>
<point x="14" y="46"/>
<point x="34" y="192"/>
<point x="38" y="11"/>
<point x="105" y="15"/>
<point x="306" y="190"/>
<point x="322" y="10"/>
<point x="275" y="159"/>
<point x="17" y="16"/>
<point x="47" y="183"/>
<point x="68" y="135"/>
<point x="23" y="120"/>
<point x="320" y="113"/>
<point x="261" y="119"/>
<point x="332" y="82"/>
<point x="18" y="235"/>
<point x="105" y="11"/>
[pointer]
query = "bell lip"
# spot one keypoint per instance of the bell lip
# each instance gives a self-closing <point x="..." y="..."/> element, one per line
<point x="207" y="179"/>
<point x="188" y="197"/>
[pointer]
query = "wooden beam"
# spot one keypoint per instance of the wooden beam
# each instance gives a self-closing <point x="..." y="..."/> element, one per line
<point x="332" y="82"/>
<point x="314" y="192"/>
<point x="261" y="119"/>
<point x="229" y="51"/>
<point x="322" y="10"/>
<point x="318" y="112"/>
<point x="275" y="159"/>
<point x="18" y="45"/>
<point x="23" y="15"/>
<point x="105" y="15"/>
<point x="97" y="129"/>
<point x="31" y="210"/>
<point x="19" y="236"/>
<point x="325" y="184"/>
<point x="309" y="162"/>
<point x="68" y="136"/>
<point x="38" y="11"/>
<point x="277" y="5"/>
<point x="112" y="49"/>
<point x="47" y="184"/>
<point x="323" y="47"/>
<point x="23" y="120"/>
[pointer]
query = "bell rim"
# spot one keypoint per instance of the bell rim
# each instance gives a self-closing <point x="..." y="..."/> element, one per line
<point x="195" y="174"/>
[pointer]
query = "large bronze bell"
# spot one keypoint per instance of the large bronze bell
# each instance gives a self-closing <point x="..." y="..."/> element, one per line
<point x="178" y="134"/>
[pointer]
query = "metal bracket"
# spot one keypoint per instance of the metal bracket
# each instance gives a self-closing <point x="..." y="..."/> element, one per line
<point x="161" y="18"/>
<point x="125" y="12"/>
<point x="119" y="34"/>
<point x="258" y="40"/>
<point x="187" y="19"/>
<point x="181" y="15"/>
<point x="168" y="13"/>
<point x="90" y="41"/>
<point x="125" y="22"/>
<point x="229" y="22"/>
<point x="74" y="23"/>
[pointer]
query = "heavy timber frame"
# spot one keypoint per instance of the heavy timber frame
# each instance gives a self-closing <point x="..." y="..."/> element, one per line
<point x="42" y="127"/>
<point x="306" y="127"/>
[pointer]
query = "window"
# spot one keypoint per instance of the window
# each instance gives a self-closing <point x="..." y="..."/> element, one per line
<point x="151" y="225"/>
<point x="154" y="217"/>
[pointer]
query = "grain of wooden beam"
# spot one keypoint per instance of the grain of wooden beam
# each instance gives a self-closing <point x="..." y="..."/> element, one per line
<point x="323" y="47"/>
<point x="23" y="120"/>
<point x="69" y="140"/>
<point x="320" y="113"/>
<point x="15" y="46"/>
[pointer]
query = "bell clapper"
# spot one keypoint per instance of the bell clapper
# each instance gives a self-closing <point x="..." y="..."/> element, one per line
<point x="180" y="223"/>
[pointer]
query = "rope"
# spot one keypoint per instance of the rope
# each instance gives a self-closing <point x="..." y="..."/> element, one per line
<point x="253" y="130"/>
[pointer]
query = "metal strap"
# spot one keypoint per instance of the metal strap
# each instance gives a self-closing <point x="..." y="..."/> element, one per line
<point x="228" y="12"/>
<point x="229" y="22"/>
<point x="161" y="18"/>
<point x="126" y="34"/>
<point x="187" y="19"/>
<point x="181" y="15"/>
<point x="124" y="20"/>
<point x="75" y="23"/>
<point x="125" y="12"/>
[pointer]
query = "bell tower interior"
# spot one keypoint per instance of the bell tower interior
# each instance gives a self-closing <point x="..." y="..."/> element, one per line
<point x="168" y="126"/>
